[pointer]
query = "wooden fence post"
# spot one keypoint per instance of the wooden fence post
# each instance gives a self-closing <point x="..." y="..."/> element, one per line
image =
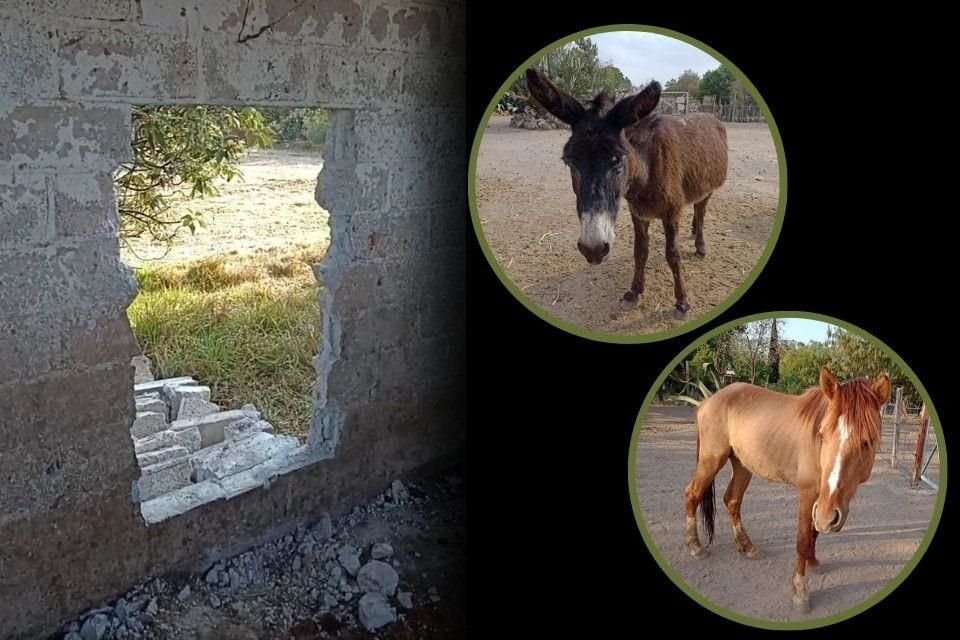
<point x="921" y="444"/>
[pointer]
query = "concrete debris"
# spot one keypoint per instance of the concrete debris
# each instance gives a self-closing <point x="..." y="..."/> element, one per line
<point x="381" y="551"/>
<point x="378" y="577"/>
<point x="349" y="559"/>
<point x="310" y="575"/>
<point x="375" y="612"/>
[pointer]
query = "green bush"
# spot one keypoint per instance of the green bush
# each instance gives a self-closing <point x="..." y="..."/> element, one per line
<point x="315" y="126"/>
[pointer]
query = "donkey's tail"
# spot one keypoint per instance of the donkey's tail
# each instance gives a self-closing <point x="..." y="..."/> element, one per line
<point x="708" y="499"/>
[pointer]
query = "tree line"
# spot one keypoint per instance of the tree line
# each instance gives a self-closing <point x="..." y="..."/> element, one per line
<point x="756" y="353"/>
<point x="577" y="69"/>
<point x="719" y="82"/>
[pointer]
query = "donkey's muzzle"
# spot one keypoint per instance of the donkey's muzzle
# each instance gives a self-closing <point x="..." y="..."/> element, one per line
<point x="594" y="254"/>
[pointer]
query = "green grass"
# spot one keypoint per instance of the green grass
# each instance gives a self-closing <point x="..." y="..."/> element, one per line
<point x="246" y="326"/>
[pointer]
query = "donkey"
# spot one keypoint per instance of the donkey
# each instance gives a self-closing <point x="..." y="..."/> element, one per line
<point x="659" y="164"/>
<point x="823" y="442"/>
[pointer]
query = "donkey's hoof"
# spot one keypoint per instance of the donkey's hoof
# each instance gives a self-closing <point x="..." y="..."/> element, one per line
<point x="801" y="603"/>
<point x="630" y="301"/>
<point x="701" y="253"/>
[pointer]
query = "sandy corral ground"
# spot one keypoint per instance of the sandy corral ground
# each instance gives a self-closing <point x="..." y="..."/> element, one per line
<point x="886" y="524"/>
<point x="274" y="206"/>
<point x="527" y="211"/>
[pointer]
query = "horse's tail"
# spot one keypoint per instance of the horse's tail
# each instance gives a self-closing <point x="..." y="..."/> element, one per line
<point x="707" y="505"/>
<point x="708" y="499"/>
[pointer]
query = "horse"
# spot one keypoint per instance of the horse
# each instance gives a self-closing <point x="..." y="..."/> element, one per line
<point x="659" y="164"/>
<point x="823" y="442"/>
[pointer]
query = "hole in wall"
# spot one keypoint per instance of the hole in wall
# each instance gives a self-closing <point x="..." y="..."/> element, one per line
<point x="220" y="223"/>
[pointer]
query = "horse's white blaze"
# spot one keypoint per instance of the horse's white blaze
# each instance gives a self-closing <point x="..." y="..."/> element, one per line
<point x="596" y="229"/>
<point x="834" y="478"/>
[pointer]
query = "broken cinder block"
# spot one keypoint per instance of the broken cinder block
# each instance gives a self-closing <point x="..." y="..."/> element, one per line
<point x="162" y="455"/>
<point x="147" y="423"/>
<point x="175" y="394"/>
<point x="164" y="477"/>
<point x="192" y="406"/>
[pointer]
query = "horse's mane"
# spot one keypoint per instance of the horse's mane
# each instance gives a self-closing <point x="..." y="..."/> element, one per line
<point x="857" y="401"/>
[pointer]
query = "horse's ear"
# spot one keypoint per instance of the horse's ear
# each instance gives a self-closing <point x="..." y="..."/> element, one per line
<point x="628" y="111"/>
<point x="881" y="389"/>
<point x="828" y="383"/>
<point x="558" y="102"/>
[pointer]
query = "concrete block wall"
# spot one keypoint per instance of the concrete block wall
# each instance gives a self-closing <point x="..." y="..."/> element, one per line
<point x="390" y="369"/>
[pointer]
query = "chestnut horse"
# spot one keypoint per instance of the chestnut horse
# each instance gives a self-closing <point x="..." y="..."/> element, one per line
<point x="658" y="164"/>
<point x="823" y="442"/>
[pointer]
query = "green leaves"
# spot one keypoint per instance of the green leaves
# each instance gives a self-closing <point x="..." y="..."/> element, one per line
<point x="181" y="151"/>
<point x="576" y="68"/>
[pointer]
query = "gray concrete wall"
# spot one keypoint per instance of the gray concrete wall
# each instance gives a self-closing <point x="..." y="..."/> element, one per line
<point x="391" y="364"/>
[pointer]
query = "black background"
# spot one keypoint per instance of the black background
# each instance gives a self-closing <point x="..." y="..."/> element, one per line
<point x="553" y="546"/>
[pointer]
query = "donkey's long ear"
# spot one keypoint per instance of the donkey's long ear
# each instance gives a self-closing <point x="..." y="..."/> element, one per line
<point x="828" y="383"/>
<point x="881" y="389"/>
<point x="555" y="100"/>
<point x="628" y="111"/>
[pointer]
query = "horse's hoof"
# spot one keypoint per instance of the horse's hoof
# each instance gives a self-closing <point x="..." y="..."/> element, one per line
<point x="753" y="553"/>
<point x="701" y="253"/>
<point x="681" y="314"/>
<point x="814" y="566"/>
<point x="700" y="553"/>
<point x="801" y="604"/>
<point x="630" y="301"/>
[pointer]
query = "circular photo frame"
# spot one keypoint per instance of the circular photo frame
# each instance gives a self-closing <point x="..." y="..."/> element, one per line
<point x="672" y="199"/>
<point x="846" y="432"/>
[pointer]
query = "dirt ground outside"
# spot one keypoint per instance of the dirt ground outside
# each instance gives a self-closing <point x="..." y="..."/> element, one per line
<point x="273" y="207"/>
<point x="527" y="210"/>
<point x="887" y="522"/>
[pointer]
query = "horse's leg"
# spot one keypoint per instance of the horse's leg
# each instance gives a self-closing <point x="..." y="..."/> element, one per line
<point x="812" y="563"/>
<point x="733" y="498"/>
<point x="671" y="229"/>
<point x="641" y="249"/>
<point x="805" y="543"/>
<point x="699" y="492"/>
<point x="699" y="210"/>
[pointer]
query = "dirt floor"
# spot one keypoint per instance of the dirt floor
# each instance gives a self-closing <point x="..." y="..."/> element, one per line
<point x="273" y="206"/>
<point x="300" y="587"/>
<point x="527" y="210"/>
<point x="886" y="524"/>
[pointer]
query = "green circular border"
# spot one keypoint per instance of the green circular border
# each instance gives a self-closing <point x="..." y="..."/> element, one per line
<point x="648" y="337"/>
<point x="770" y="624"/>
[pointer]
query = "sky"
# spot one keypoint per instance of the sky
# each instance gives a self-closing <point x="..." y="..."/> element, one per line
<point x="643" y="56"/>
<point x="804" y="330"/>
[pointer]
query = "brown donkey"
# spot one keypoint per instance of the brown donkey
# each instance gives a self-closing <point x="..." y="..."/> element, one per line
<point x="822" y="442"/>
<point x="659" y="164"/>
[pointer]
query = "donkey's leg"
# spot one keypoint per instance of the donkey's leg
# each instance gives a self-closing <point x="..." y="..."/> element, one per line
<point x="641" y="249"/>
<point x="699" y="210"/>
<point x="699" y="492"/>
<point x="733" y="498"/>
<point x="671" y="229"/>
<point x="805" y="542"/>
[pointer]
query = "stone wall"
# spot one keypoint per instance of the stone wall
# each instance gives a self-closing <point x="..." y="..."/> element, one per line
<point x="390" y="369"/>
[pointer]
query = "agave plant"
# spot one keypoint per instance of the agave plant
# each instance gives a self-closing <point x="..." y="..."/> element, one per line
<point x="698" y="384"/>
